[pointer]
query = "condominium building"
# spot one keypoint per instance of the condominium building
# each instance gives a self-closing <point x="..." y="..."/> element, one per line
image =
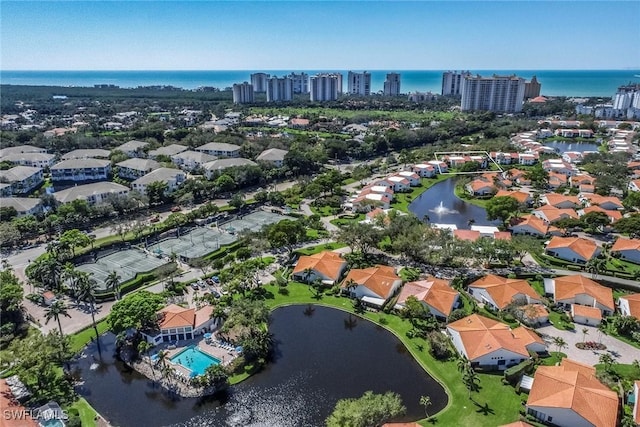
<point x="81" y="170"/>
<point x="501" y="94"/>
<point x="392" y="85"/>
<point x="242" y="93"/>
<point x="279" y="89"/>
<point x="21" y="180"/>
<point x="300" y="82"/>
<point x="626" y="102"/>
<point x="359" y="83"/>
<point x="452" y="82"/>
<point x="532" y="88"/>
<point x="325" y="87"/>
<point x="259" y="81"/>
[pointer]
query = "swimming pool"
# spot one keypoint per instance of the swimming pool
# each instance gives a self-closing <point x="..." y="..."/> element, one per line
<point x="194" y="360"/>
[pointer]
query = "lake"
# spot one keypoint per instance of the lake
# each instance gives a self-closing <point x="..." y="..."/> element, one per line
<point x="322" y="355"/>
<point x="563" y="146"/>
<point x="444" y="207"/>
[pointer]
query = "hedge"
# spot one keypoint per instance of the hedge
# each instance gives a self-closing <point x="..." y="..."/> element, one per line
<point x="514" y="373"/>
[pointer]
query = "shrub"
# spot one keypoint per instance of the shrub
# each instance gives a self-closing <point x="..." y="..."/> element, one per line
<point x="439" y="346"/>
<point x="514" y="373"/>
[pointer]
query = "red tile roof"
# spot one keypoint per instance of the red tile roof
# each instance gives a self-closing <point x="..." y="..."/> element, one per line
<point x="327" y="263"/>
<point x="175" y="316"/>
<point x="567" y="287"/>
<point x="434" y="292"/>
<point x="502" y="290"/>
<point x="584" y="247"/>
<point x="379" y="279"/>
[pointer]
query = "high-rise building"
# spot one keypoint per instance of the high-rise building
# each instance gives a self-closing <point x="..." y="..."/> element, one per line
<point x="359" y="83"/>
<point x="452" y="82"/>
<point x="242" y="93"/>
<point x="259" y="82"/>
<point x="300" y="82"/>
<point x="279" y="89"/>
<point x="501" y="94"/>
<point x="532" y="88"/>
<point x="325" y="87"/>
<point x="626" y="101"/>
<point x="392" y="85"/>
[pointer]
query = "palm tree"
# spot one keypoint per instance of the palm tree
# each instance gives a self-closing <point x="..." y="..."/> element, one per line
<point x="607" y="360"/>
<point x="585" y="332"/>
<point x="54" y="311"/>
<point x="471" y="380"/>
<point x="425" y="401"/>
<point x="306" y="273"/>
<point x="87" y="288"/>
<point x="560" y="343"/>
<point x="112" y="283"/>
<point x="143" y="348"/>
<point x="463" y="364"/>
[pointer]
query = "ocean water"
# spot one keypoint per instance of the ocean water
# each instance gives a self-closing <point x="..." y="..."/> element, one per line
<point x="554" y="82"/>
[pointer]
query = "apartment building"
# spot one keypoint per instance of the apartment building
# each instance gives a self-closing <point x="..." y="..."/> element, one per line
<point x="172" y="177"/>
<point x="259" y="81"/>
<point x="220" y="149"/>
<point x="136" y="168"/>
<point x="95" y="193"/>
<point x="242" y="93"/>
<point x="279" y="89"/>
<point x="392" y="85"/>
<point x="500" y="94"/>
<point x="81" y="170"/>
<point x="452" y="82"/>
<point x="21" y="180"/>
<point x="300" y="82"/>
<point x="325" y="87"/>
<point x="359" y="83"/>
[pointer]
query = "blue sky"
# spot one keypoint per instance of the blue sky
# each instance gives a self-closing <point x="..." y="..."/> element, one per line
<point x="219" y="35"/>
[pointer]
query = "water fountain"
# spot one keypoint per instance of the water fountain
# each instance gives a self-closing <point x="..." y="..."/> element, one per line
<point x="442" y="210"/>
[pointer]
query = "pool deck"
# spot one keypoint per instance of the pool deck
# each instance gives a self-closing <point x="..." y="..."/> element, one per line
<point x="222" y="354"/>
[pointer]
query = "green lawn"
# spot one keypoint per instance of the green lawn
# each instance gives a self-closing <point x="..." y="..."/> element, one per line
<point x="319" y="248"/>
<point x="553" y="359"/>
<point x="402" y="201"/>
<point x="347" y="219"/>
<point x="322" y="210"/>
<point x="495" y="404"/>
<point x="87" y="413"/>
<point x="558" y="323"/>
<point x="460" y="193"/>
<point x="84" y="337"/>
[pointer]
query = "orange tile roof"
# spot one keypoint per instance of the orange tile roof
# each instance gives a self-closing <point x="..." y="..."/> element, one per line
<point x="502" y="235"/>
<point x="378" y="279"/>
<point x="434" y="292"/>
<point x="623" y="244"/>
<point x="517" y="424"/>
<point x="596" y="199"/>
<point x="634" y="304"/>
<point x="574" y="386"/>
<point x="520" y="196"/>
<point x="481" y="335"/>
<point x="613" y="215"/>
<point x="567" y="287"/>
<point x="503" y="290"/>
<point x="588" y="312"/>
<point x="470" y="235"/>
<point x="534" y="311"/>
<point x="6" y="405"/>
<point x="176" y="317"/>
<point x="584" y="247"/>
<point x="327" y="263"/>
<point x="478" y="184"/>
<point x="531" y="221"/>
<point x="554" y="214"/>
<point x="557" y="178"/>
<point x="203" y="315"/>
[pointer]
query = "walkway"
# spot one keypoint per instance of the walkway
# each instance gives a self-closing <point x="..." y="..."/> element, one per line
<point x="621" y="351"/>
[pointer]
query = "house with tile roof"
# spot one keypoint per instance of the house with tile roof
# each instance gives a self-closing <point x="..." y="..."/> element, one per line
<point x="529" y="225"/>
<point x="326" y="266"/>
<point x="499" y="292"/>
<point x="534" y="314"/>
<point x="629" y="305"/>
<point x="424" y="170"/>
<point x="179" y="323"/>
<point x="399" y="183"/>
<point x="570" y="395"/>
<point x="561" y="201"/>
<point x="551" y="214"/>
<point x="613" y="215"/>
<point x="435" y="294"/>
<point x="573" y="249"/>
<point x="479" y="187"/>
<point x="586" y="315"/>
<point x="518" y="423"/>
<point x="522" y="197"/>
<point x="605" y="202"/>
<point x="489" y="344"/>
<point x="577" y="289"/>
<point x="373" y="285"/>
<point x="440" y="166"/>
<point x="556" y="180"/>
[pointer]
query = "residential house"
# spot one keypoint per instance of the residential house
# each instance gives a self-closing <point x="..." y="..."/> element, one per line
<point x="634" y="185"/>
<point x="636" y="404"/>
<point x="609" y="203"/>
<point x="91" y="153"/>
<point x="399" y="183"/>
<point x="325" y="266"/>
<point x="613" y="215"/>
<point x="426" y="171"/>
<point x="133" y="148"/>
<point x="440" y="166"/>
<point x="169" y="150"/>
<point x="522" y="197"/>
<point x="414" y="178"/>
<point x="467" y="235"/>
<point x="79" y="170"/>
<point x="366" y="201"/>
<point x="436" y="295"/>
<point x="577" y="289"/>
<point x="190" y="160"/>
<point x="172" y="177"/>
<point x="479" y="187"/>
<point x="561" y="201"/>
<point x="559" y="166"/>
<point x="491" y="345"/>
<point x="556" y="180"/>
<point x="570" y="395"/>
<point x="135" y="167"/>
<point x="178" y="323"/>
<point x="373" y="285"/>
<point x="528" y="159"/>
<point x="272" y="156"/>
<point x="572" y="156"/>
<point x="516" y="424"/>
<point x="534" y="314"/>
<point x="584" y="315"/>
<point x="551" y="214"/>
<point x="35" y="160"/>
<point x="217" y="166"/>
<point x="628" y="249"/>
<point x="22" y="180"/>
<point x="220" y="149"/>
<point x="94" y="194"/>
<point x="529" y="225"/>
<point x="573" y="249"/>
<point x="629" y="305"/>
<point x="499" y="292"/>
<point x="22" y="205"/>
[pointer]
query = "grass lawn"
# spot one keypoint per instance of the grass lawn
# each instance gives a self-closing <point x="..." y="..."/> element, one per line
<point x="87" y="413"/>
<point x="322" y="210"/>
<point x="625" y="372"/>
<point x="495" y="404"/>
<point x="347" y="219"/>
<point x="82" y="338"/>
<point x="319" y="248"/>
<point x="403" y="200"/>
<point x="460" y="193"/>
<point x="558" y="323"/>
<point x="553" y="359"/>
<point x="537" y="286"/>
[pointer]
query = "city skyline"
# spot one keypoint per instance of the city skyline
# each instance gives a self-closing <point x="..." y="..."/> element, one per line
<point x="305" y="35"/>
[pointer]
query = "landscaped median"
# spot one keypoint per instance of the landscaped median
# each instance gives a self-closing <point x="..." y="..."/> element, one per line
<point x="495" y="404"/>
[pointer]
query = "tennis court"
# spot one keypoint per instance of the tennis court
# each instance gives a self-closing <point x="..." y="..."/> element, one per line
<point x="127" y="263"/>
<point x="254" y="221"/>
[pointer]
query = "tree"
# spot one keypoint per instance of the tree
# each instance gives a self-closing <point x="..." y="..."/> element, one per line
<point x="560" y="343"/>
<point x="137" y="310"/>
<point x="607" y="360"/>
<point x="471" y="380"/>
<point x="87" y="287"/>
<point x="502" y="208"/>
<point x="224" y="183"/>
<point x="522" y="245"/>
<point x="54" y="311"/>
<point x="585" y="332"/>
<point x="360" y="237"/>
<point x="539" y="177"/>
<point x="595" y="221"/>
<point x="286" y="233"/>
<point x="369" y="410"/>
<point x="156" y="192"/>
<point x="425" y="402"/>
<point x="74" y="239"/>
<point x="237" y="201"/>
<point x="112" y="283"/>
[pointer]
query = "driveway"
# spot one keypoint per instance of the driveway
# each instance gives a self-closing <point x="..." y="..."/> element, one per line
<point x="621" y="352"/>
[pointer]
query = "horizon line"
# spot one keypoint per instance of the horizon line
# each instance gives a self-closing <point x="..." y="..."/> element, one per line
<point x="326" y="69"/>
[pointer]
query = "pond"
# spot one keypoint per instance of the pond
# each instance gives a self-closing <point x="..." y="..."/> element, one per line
<point x="442" y="206"/>
<point x="563" y="146"/>
<point x="322" y="355"/>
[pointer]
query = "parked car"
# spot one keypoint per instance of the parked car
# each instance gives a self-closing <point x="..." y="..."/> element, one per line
<point x="195" y="286"/>
<point x="215" y="279"/>
<point x="176" y="209"/>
